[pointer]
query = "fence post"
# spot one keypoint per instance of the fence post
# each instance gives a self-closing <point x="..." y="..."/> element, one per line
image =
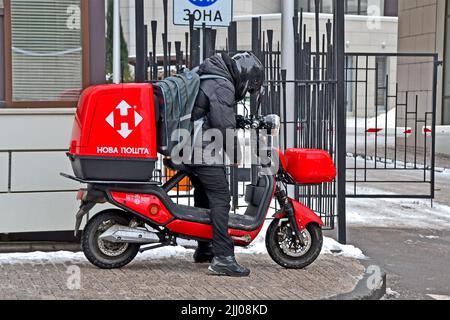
<point x="436" y="64"/>
<point x="288" y="63"/>
<point x="341" y="120"/>
<point x="140" y="42"/>
<point x="116" y="43"/>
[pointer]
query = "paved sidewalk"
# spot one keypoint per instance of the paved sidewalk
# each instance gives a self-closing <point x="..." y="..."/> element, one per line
<point x="177" y="278"/>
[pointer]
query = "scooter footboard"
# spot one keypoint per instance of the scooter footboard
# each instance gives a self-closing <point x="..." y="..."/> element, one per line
<point x="303" y="215"/>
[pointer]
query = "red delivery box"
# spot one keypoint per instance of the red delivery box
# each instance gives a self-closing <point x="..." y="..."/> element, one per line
<point x="114" y="134"/>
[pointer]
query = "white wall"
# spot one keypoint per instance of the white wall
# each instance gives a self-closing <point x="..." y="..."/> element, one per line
<point x="33" y="196"/>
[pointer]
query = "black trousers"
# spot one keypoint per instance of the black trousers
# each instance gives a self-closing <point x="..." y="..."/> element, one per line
<point x="212" y="191"/>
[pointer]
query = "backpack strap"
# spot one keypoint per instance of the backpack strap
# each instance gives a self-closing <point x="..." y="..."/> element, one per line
<point x="212" y="77"/>
<point x="207" y="76"/>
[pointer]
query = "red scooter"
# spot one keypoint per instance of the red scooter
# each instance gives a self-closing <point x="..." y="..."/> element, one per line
<point x="145" y="216"/>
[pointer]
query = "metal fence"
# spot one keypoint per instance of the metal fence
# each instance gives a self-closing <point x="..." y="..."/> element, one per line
<point x="384" y="141"/>
<point x="390" y="126"/>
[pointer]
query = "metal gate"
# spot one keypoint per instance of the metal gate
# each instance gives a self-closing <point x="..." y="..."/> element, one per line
<point x="391" y="125"/>
<point x="356" y="106"/>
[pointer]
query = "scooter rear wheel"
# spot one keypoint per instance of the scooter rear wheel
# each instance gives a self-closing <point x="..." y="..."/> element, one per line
<point x="104" y="254"/>
<point x="286" y="250"/>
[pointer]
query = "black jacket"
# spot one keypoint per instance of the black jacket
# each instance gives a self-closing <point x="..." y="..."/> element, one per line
<point x="216" y="101"/>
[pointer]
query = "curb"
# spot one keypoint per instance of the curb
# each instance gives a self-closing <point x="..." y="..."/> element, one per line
<point x="361" y="291"/>
<point x="30" y="246"/>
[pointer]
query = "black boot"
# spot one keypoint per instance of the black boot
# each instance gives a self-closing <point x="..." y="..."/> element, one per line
<point x="227" y="266"/>
<point x="203" y="253"/>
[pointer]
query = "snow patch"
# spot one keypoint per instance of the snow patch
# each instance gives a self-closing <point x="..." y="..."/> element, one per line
<point x="331" y="246"/>
<point x="439" y="297"/>
<point x="64" y="257"/>
<point x="428" y="237"/>
<point x="398" y="213"/>
<point x="392" y="294"/>
<point x="38" y="257"/>
<point x="374" y="122"/>
<point x="258" y="247"/>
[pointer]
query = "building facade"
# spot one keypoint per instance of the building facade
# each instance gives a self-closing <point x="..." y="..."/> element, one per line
<point x="371" y="26"/>
<point x="49" y="51"/>
<point x="362" y="33"/>
<point x="424" y="26"/>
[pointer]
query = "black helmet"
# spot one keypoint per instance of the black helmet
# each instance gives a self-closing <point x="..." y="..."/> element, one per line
<point x="251" y="74"/>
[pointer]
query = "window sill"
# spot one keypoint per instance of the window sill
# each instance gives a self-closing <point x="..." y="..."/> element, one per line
<point x="35" y="111"/>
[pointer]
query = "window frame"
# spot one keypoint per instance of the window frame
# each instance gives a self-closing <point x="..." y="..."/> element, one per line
<point x="85" y="42"/>
<point x="310" y="4"/>
<point x="380" y="100"/>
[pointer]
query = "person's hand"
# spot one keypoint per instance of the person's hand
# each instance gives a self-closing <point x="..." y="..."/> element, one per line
<point x="241" y="122"/>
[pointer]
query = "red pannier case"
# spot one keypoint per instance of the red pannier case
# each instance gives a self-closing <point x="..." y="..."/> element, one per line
<point x="310" y="166"/>
<point x="114" y="135"/>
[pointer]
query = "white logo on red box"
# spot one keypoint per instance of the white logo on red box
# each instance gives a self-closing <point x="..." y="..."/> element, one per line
<point x="124" y="119"/>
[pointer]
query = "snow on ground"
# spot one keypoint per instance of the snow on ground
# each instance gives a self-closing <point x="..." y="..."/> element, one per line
<point x="428" y="237"/>
<point x="374" y="122"/>
<point x="398" y="213"/>
<point x="62" y="257"/>
<point x="392" y="294"/>
<point x="330" y="246"/>
<point x="59" y="257"/>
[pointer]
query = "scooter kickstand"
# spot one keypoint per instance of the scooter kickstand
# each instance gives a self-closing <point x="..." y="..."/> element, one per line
<point x="161" y="245"/>
<point x="172" y="242"/>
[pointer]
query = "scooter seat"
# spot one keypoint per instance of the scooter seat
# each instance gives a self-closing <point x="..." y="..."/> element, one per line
<point x="237" y="221"/>
<point x="249" y="222"/>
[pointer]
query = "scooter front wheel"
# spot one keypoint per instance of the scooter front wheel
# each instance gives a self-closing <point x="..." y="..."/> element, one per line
<point x="287" y="250"/>
<point x="104" y="254"/>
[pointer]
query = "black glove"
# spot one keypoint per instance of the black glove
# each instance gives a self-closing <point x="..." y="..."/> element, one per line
<point x="241" y="122"/>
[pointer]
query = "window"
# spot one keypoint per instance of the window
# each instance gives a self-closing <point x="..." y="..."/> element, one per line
<point x="358" y="7"/>
<point x="45" y="52"/>
<point x="381" y="64"/>
<point x="349" y="82"/>
<point x="326" y="6"/>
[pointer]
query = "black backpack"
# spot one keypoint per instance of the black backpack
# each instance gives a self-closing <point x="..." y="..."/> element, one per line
<point x="176" y="99"/>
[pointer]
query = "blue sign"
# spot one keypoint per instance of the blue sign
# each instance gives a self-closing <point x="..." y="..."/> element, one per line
<point x="212" y="13"/>
<point x="203" y="3"/>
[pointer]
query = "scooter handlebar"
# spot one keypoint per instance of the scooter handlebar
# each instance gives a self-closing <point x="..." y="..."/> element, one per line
<point x="270" y="122"/>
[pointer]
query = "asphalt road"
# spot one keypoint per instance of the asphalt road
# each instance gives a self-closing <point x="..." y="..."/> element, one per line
<point x="417" y="262"/>
<point x="416" y="259"/>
